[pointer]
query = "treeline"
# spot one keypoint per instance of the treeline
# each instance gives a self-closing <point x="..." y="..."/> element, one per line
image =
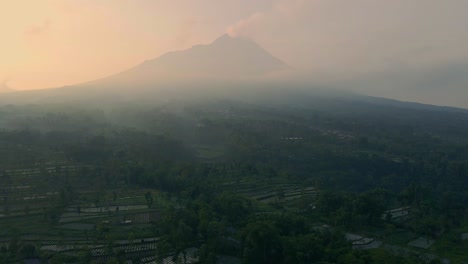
<point x="361" y="164"/>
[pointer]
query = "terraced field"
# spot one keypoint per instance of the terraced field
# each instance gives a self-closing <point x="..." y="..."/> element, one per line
<point x="288" y="195"/>
<point x="143" y="248"/>
<point x="28" y="191"/>
<point x="36" y="207"/>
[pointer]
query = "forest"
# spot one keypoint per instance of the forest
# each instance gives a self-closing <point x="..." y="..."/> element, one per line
<point x="328" y="180"/>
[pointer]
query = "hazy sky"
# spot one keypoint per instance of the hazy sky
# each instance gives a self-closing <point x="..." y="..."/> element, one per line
<point x="47" y="43"/>
<point x="405" y="49"/>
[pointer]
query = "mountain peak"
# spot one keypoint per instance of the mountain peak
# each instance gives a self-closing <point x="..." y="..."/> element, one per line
<point x="225" y="58"/>
<point x="227" y="38"/>
<point x="236" y="42"/>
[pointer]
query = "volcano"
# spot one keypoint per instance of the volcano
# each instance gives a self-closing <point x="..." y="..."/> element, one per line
<point x="227" y="58"/>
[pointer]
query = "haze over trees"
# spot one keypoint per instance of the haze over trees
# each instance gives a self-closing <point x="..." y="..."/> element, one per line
<point x="222" y="153"/>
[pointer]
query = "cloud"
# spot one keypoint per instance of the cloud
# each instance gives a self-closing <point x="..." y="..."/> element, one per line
<point x="368" y="42"/>
<point x="39" y="29"/>
<point x="243" y="26"/>
<point x="186" y="30"/>
<point x="4" y="86"/>
<point x="365" y="32"/>
<point x="280" y="11"/>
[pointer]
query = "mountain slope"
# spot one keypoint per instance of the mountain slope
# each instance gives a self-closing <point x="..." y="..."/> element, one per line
<point x="217" y="66"/>
<point x="228" y="68"/>
<point x="226" y="58"/>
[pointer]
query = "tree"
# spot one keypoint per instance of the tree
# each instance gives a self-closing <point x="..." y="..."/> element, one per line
<point x="183" y="237"/>
<point x="113" y="260"/>
<point x="261" y="243"/>
<point x="163" y="249"/>
<point x="28" y="251"/>
<point x="131" y="238"/>
<point x="149" y="199"/>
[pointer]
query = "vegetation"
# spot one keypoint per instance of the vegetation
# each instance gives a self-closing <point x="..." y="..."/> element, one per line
<point x="258" y="183"/>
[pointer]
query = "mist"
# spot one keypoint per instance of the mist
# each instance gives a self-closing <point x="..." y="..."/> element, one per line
<point x="398" y="49"/>
<point x="412" y="51"/>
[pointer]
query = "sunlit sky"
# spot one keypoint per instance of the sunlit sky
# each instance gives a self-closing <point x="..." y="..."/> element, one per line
<point x="48" y="43"/>
<point x="379" y="47"/>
